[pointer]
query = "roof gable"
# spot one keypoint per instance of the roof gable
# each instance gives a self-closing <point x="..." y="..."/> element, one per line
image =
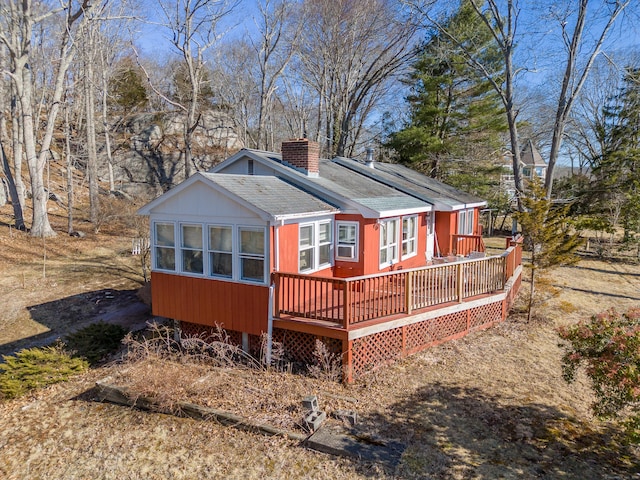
<point x="270" y="198"/>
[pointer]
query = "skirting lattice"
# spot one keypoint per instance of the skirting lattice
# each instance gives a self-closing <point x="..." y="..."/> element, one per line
<point x="368" y="353"/>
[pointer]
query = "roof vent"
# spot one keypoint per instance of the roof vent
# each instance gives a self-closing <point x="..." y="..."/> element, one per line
<point x="370" y="161"/>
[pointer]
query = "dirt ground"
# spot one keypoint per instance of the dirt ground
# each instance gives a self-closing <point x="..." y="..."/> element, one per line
<point x="491" y="405"/>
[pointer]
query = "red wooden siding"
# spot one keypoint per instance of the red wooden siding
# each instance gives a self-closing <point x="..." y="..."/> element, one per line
<point x="204" y="301"/>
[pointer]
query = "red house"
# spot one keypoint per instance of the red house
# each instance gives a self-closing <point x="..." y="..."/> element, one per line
<point x="375" y="259"/>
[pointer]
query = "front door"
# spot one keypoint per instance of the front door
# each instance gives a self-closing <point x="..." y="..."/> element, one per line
<point x="430" y="236"/>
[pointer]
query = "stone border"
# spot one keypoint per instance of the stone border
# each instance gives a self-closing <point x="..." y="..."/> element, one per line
<point x="118" y="395"/>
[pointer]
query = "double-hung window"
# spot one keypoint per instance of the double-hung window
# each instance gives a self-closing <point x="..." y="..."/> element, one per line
<point x="388" y="242"/>
<point x="221" y="251"/>
<point x="191" y="249"/>
<point x="347" y="244"/>
<point x="314" y="246"/>
<point x="164" y="245"/>
<point x="465" y="222"/>
<point x="409" y="236"/>
<point x="251" y="253"/>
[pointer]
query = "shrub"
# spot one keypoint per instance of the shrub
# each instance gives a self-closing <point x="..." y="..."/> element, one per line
<point x="327" y="365"/>
<point x="95" y="341"/>
<point x="608" y="346"/>
<point x="37" y="367"/>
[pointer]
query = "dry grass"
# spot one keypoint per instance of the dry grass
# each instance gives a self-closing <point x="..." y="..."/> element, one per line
<point x="492" y="405"/>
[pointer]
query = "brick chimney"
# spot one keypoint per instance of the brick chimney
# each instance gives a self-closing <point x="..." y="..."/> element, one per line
<point x="302" y="154"/>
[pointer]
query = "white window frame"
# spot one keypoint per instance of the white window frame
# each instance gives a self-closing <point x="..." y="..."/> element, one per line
<point x="183" y="248"/>
<point x="210" y="251"/>
<point x="466" y="221"/>
<point x="388" y="243"/>
<point x="412" y="219"/>
<point x="355" y="245"/>
<point x="315" y="245"/>
<point x="157" y="245"/>
<point x="250" y="256"/>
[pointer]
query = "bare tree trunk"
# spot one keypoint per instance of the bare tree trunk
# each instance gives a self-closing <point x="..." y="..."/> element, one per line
<point x="69" y="163"/>
<point x="105" y="122"/>
<point x="92" y="151"/>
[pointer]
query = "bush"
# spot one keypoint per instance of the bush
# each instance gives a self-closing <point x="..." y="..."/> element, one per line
<point x="37" y="367"/>
<point x="95" y="341"/>
<point x="608" y="346"/>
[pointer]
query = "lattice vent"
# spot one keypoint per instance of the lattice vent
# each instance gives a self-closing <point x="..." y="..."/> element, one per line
<point x="369" y="352"/>
<point x="486" y="314"/>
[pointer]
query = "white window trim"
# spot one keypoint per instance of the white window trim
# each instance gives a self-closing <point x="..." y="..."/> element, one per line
<point x="356" y="245"/>
<point x="210" y="251"/>
<point x="466" y="220"/>
<point x="238" y="255"/>
<point x="206" y="268"/>
<point x="408" y="240"/>
<point x="315" y="245"/>
<point x="154" y="266"/>
<point x="180" y="266"/>
<point x="383" y="227"/>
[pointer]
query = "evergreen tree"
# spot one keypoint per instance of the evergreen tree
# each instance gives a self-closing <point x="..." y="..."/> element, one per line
<point x="455" y="115"/>
<point x="127" y="88"/>
<point x="618" y="174"/>
<point x="548" y="232"/>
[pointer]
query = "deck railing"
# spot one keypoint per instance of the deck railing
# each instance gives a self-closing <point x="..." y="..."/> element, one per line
<point x="465" y="244"/>
<point x="348" y="301"/>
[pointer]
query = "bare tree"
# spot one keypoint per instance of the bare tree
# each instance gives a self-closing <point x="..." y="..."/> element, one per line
<point x="576" y="70"/>
<point x="279" y="32"/>
<point x="350" y="52"/>
<point x="193" y="26"/>
<point x="21" y="19"/>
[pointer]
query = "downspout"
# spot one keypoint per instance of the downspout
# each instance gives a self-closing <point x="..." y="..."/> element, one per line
<point x="272" y="289"/>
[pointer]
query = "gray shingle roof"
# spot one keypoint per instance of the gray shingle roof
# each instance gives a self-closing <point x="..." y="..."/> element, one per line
<point x="271" y="195"/>
<point x="341" y="181"/>
<point x="412" y="183"/>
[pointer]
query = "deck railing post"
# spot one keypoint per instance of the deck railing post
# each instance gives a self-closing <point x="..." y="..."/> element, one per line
<point x="460" y="275"/>
<point x="346" y="308"/>
<point x="275" y="280"/>
<point x="408" y="293"/>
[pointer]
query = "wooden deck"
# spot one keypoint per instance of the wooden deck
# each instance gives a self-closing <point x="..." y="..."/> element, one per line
<point x="347" y="303"/>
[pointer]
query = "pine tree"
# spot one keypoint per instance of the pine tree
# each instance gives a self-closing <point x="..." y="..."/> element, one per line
<point x="548" y="232"/>
<point x="618" y="175"/>
<point x="455" y="115"/>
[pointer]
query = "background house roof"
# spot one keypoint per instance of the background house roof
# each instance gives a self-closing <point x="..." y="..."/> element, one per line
<point x="529" y="155"/>
<point x="413" y="183"/>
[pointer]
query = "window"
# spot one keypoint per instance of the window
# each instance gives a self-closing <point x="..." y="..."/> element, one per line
<point x="221" y="251"/>
<point x="409" y="234"/>
<point x="465" y="222"/>
<point x="191" y="249"/>
<point x="314" y="246"/>
<point x="164" y="246"/>
<point x="251" y="253"/>
<point x="388" y="242"/>
<point x="306" y="249"/>
<point x="347" y="245"/>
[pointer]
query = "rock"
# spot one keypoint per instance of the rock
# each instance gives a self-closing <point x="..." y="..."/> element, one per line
<point x="77" y="234"/>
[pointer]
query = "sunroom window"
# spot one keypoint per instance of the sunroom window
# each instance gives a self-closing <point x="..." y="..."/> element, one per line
<point x="191" y="249"/>
<point x="251" y="253"/>
<point x="164" y="246"/>
<point x="409" y="234"/>
<point x="221" y="251"/>
<point x="307" y="250"/>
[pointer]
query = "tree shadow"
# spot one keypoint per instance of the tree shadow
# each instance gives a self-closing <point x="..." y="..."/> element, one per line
<point x="66" y="315"/>
<point x="457" y="432"/>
